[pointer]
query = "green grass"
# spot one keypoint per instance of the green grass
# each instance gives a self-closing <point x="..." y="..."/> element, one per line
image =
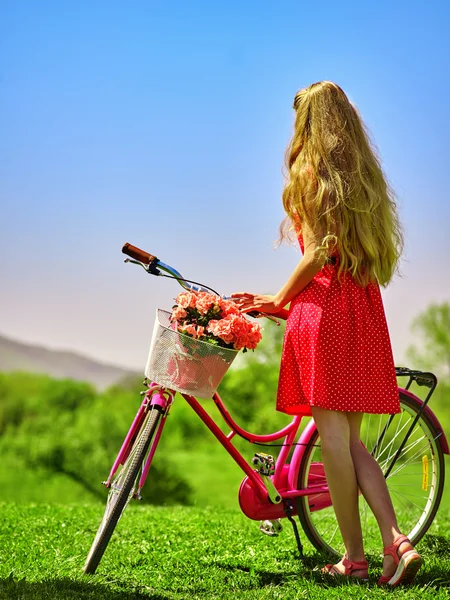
<point x="181" y="553"/>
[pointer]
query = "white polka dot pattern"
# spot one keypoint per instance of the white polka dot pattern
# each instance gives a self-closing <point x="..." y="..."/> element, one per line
<point x="337" y="353"/>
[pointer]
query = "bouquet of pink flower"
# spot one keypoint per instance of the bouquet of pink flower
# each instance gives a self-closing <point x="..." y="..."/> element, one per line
<point x="209" y="318"/>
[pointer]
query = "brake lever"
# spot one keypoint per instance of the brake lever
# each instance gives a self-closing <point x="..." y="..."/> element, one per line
<point x="147" y="268"/>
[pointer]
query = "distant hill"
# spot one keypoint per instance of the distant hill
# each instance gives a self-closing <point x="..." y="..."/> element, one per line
<point x="16" y="356"/>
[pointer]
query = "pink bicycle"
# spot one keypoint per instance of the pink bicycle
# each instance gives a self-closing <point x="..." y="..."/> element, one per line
<point x="408" y="446"/>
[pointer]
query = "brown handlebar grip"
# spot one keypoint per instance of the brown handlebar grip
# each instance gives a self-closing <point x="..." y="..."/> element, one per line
<point x="138" y="254"/>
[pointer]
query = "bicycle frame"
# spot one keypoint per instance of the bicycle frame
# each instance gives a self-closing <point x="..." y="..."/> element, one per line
<point x="254" y="499"/>
<point x="254" y="496"/>
<point x="271" y="491"/>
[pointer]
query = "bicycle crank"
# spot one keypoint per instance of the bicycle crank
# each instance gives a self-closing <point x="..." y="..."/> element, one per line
<point x="265" y="465"/>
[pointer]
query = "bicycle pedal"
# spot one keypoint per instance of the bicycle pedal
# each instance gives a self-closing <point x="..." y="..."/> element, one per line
<point x="264" y="463"/>
<point x="271" y="528"/>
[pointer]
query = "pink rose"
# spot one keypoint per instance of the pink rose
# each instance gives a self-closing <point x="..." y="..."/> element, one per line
<point x="178" y="314"/>
<point x="205" y="301"/>
<point x="189" y="329"/>
<point x="254" y="336"/>
<point x="186" y="299"/>
<point x="229" y="308"/>
<point x="221" y="329"/>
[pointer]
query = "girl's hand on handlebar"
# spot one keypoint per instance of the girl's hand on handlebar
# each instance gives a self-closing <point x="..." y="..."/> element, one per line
<point x="256" y="302"/>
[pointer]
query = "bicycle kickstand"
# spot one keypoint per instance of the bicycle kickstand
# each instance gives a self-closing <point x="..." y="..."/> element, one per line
<point x="288" y="509"/>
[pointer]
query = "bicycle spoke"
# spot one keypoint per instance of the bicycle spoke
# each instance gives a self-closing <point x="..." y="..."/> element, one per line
<point x="393" y="440"/>
<point x="409" y="501"/>
<point x="396" y="433"/>
<point x="401" y="466"/>
<point x="391" y="484"/>
<point x="409" y="495"/>
<point x="399" y="498"/>
<point x="415" y="507"/>
<point x="334" y="533"/>
<point x="425" y="447"/>
<point x="326" y="517"/>
<point x="412" y="445"/>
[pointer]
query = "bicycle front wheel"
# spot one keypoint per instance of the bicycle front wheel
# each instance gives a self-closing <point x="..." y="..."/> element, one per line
<point x="122" y="489"/>
<point x="415" y="482"/>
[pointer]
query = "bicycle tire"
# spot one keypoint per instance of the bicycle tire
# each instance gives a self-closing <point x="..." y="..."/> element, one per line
<point x="122" y="489"/>
<point x="415" y="511"/>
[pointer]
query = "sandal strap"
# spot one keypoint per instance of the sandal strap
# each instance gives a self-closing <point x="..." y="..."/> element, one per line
<point x="331" y="569"/>
<point x="393" y="549"/>
<point x="383" y="580"/>
<point x="354" y="565"/>
<point x="349" y="567"/>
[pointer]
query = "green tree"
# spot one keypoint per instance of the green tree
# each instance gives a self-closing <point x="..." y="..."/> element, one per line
<point x="433" y="326"/>
<point x="433" y="354"/>
<point x="65" y="428"/>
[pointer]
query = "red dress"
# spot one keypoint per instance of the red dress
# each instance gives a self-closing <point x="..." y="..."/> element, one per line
<point x="337" y="353"/>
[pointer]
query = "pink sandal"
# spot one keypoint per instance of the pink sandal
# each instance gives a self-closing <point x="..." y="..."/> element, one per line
<point x="349" y="567"/>
<point x="408" y="563"/>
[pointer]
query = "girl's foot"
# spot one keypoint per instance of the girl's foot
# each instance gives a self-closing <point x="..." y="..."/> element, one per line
<point x="401" y="562"/>
<point x="348" y="568"/>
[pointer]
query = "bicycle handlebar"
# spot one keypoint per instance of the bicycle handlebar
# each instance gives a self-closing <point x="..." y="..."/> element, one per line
<point x="153" y="265"/>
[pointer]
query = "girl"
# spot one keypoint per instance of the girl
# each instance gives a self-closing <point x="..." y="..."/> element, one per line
<point x="337" y="360"/>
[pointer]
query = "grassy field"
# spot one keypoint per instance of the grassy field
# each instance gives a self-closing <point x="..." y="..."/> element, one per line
<point x="180" y="553"/>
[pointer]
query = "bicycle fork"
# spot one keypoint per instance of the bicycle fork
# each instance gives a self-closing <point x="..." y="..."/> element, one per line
<point x="154" y="399"/>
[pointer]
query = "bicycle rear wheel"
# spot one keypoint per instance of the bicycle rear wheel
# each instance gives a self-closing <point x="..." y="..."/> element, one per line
<point x="415" y="482"/>
<point x="122" y="489"/>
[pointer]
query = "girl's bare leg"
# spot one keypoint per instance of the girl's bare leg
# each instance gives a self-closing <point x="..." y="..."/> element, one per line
<point x="373" y="486"/>
<point x="334" y="432"/>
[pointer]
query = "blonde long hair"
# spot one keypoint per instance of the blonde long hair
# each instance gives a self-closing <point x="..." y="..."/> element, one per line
<point x="336" y="185"/>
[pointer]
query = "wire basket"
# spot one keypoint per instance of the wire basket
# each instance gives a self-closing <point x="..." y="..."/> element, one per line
<point x="184" y="364"/>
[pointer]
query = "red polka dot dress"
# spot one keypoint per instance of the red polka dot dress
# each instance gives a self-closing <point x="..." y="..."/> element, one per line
<point x="337" y="353"/>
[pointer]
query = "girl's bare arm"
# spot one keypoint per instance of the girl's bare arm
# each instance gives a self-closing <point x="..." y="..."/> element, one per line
<point x="309" y="265"/>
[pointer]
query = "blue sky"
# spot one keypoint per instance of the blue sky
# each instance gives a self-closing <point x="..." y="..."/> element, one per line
<point x="165" y="125"/>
